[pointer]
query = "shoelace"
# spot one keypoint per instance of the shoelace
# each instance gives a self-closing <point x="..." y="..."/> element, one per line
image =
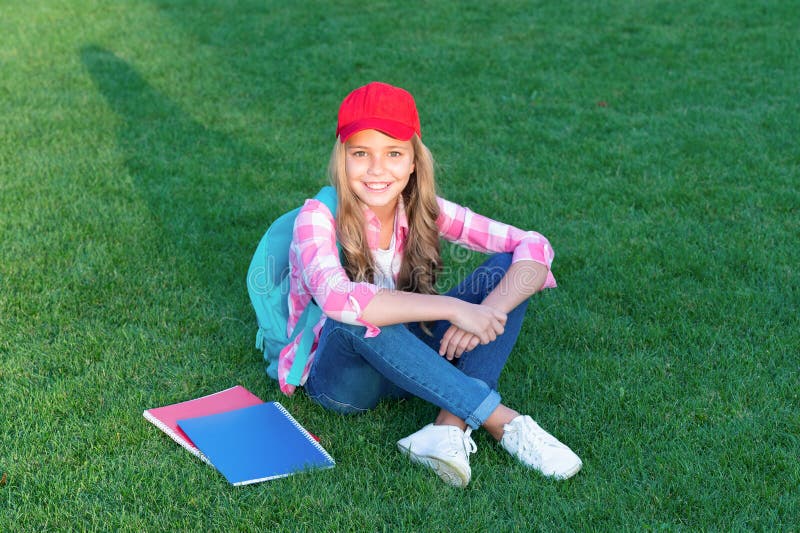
<point x="466" y="441"/>
<point x="537" y="438"/>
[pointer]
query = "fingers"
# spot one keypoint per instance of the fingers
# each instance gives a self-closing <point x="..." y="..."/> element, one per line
<point x="463" y="343"/>
<point x="445" y="342"/>
<point x="500" y="317"/>
<point x="468" y="343"/>
<point x="499" y="322"/>
<point x="473" y="343"/>
<point x="456" y="341"/>
<point x="483" y="321"/>
<point x="495" y="328"/>
<point x="455" y="349"/>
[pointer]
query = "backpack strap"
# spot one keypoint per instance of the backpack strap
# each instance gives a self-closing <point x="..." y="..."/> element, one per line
<point x="312" y="313"/>
<point x="327" y="195"/>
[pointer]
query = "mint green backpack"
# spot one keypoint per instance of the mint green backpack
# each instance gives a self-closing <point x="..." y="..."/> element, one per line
<point x="268" y="287"/>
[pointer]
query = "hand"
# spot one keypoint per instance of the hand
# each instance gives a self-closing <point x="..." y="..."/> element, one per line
<point x="483" y="321"/>
<point x="456" y="341"/>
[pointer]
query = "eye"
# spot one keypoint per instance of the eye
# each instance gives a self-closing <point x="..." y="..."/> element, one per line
<point x="395" y="153"/>
<point x="359" y="153"/>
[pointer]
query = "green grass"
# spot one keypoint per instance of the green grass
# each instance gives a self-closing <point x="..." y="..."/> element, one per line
<point x="146" y="146"/>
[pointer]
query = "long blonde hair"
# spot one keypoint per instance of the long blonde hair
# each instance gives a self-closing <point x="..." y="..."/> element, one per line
<point x="421" y="257"/>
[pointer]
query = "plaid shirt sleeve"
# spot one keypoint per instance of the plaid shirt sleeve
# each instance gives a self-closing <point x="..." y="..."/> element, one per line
<point x="476" y="232"/>
<point x="318" y="272"/>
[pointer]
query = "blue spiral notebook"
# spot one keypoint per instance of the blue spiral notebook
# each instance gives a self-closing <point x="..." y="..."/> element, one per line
<point x="256" y="443"/>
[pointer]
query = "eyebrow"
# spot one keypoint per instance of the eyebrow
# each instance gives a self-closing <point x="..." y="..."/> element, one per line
<point x="392" y="147"/>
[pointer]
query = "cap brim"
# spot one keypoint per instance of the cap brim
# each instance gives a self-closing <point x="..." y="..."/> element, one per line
<point x="392" y="128"/>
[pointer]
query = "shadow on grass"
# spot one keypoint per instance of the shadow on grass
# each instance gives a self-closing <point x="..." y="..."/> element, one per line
<point x="197" y="183"/>
<point x="286" y="49"/>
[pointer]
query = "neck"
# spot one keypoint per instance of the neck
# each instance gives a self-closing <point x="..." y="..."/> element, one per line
<point x="385" y="213"/>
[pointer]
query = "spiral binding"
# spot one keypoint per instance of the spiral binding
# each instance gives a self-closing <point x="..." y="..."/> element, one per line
<point x="305" y="432"/>
<point x="174" y="436"/>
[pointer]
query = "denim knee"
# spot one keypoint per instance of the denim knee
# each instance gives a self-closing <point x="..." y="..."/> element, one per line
<point x="332" y="405"/>
<point x="495" y="267"/>
<point x="500" y="260"/>
<point x="483" y="279"/>
<point x="341" y="379"/>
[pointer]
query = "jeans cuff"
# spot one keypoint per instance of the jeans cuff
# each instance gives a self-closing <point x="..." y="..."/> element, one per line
<point x="486" y="408"/>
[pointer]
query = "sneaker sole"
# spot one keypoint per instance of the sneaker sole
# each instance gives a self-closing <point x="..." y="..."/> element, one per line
<point x="447" y="472"/>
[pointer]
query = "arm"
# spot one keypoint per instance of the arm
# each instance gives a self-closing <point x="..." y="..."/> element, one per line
<point x="523" y="279"/>
<point x="396" y="307"/>
<point x="476" y="232"/>
<point x="528" y="273"/>
<point x="317" y="271"/>
<point x="316" y="259"/>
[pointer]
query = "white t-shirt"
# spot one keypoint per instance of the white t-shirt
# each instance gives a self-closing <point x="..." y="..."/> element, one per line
<point x="384" y="260"/>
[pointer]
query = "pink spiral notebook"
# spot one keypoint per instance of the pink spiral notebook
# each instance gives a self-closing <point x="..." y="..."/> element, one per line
<point x="244" y="438"/>
<point x="166" y="418"/>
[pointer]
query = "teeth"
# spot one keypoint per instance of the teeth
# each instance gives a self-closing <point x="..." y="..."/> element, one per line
<point x="377" y="186"/>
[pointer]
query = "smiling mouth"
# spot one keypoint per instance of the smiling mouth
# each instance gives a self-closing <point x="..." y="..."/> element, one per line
<point x="377" y="186"/>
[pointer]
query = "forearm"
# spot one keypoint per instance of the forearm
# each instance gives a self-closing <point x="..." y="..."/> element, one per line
<point x="523" y="279"/>
<point x="397" y="307"/>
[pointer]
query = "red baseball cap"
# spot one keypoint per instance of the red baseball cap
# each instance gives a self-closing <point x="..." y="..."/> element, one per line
<point x="379" y="106"/>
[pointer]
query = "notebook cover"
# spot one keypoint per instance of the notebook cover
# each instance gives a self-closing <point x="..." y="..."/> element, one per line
<point x="256" y="443"/>
<point x="166" y="418"/>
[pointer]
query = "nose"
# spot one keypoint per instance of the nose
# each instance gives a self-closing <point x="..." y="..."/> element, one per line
<point x="375" y="166"/>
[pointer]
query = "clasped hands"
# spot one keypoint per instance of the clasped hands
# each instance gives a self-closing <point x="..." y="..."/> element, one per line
<point x="473" y="324"/>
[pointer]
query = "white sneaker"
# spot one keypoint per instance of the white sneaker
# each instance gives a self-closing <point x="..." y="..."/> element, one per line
<point x="537" y="449"/>
<point x="444" y="449"/>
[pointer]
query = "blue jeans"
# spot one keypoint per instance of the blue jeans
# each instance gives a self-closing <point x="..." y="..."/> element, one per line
<point x="351" y="374"/>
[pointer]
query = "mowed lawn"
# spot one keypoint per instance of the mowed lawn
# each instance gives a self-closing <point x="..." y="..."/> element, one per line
<point x="146" y="145"/>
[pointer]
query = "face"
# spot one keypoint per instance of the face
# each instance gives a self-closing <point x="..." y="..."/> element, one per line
<point x="378" y="168"/>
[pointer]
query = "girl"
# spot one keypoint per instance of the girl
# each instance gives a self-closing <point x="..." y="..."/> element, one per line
<point x="385" y="332"/>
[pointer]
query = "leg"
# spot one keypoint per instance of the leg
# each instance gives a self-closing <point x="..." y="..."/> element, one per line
<point x="486" y="361"/>
<point x="438" y="445"/>
<point x="343" y="381"/>
<point x="352" y="373"/>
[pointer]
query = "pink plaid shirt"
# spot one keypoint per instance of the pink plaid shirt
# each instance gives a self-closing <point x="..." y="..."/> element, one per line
<point x="317" y="272"/>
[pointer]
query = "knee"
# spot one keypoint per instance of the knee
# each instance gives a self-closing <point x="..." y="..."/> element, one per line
<point x="331" y="404"/>
<point x="354" y="336"/>
<point x="350" y="391"/>
<point x="494" y="268"/>
<point x="342" y="329"/>
<point x="501" y="261"/>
